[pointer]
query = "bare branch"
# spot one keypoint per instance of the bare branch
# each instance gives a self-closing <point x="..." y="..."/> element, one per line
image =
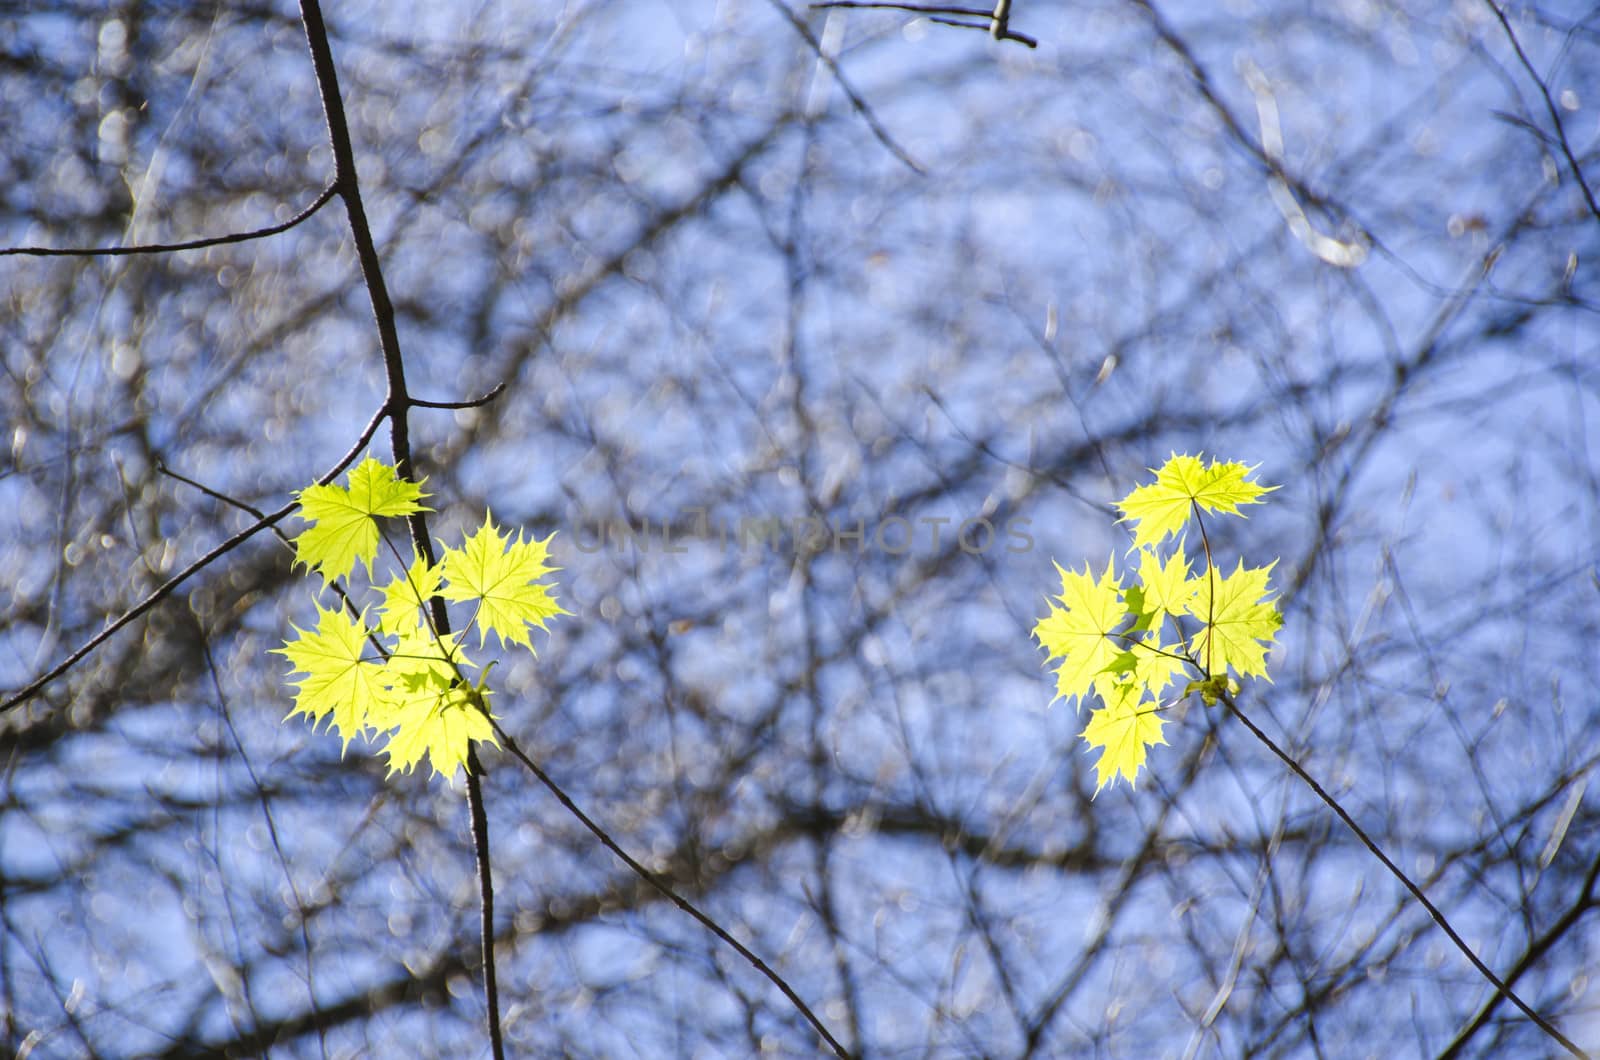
<point x="318" y="203"/>
<point x="861" y="106"/>
<point x="166" y="588"/>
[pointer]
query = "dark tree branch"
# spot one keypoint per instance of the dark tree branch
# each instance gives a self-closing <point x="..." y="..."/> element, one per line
<point x="996" y="24"/>
<point x="1405" y="881"/>
<point x="671" y="895"/>
<point x="397" y="405"/>
<point x="473" y="403"/>
<point x="166" y="588"/>
<point x="232" y="502"/>
<point x="1550" y="108"/>
<point x="1535" y="950"/>
<point x="166" y="248"/>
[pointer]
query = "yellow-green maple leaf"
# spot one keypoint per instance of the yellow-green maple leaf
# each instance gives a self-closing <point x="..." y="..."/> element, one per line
<point x="406" y="594"/>
<point x="433" y="709"/>
<point x="1165" y="588"/>
<point x="1078" y="632"/>
<point x="1157" y="665"/>
<point x="419" y="657"/>
<point x="1241" y="620"/>
<point x="1123" y="728"/>
<point x="498" y="574"/>
<point x="344" y="528"/>
<point x="341" y="679"/>
<point x="1164" y="506"/>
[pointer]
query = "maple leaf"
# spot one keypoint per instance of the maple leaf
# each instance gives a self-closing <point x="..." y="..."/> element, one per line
<point x="344" y="528"/>
<point x="433" y="708"/>
<point x="1240" y="618"/>
<point x="1156" y="666"/>
<point x="1122" y="729"/>
<point x="441" y="723"/>
<point x="1079" y="632"/>
<point x="1164" y="506"/>
<point x="420" y="657"/>
<point x="1228" y="486"/>
<point x="498" y="574"/>
<point x="406" y="594"/>
<point x="1112" y="640"/>
<point x="340" y="680"/>
<point x="1166" y="588"/>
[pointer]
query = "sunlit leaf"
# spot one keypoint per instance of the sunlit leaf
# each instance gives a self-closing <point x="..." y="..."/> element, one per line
<point x="1164" y="506"/>
<point x="499" y="574"/>
<point x="344" y="528"/>
<point x="1078" y="632"/>
<point x="1123" y="729"/>
<point x="344" y="676"/>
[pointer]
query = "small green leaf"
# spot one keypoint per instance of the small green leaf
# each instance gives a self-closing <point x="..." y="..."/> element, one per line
<point x="499" y="574"/>
<point x="1164" y="506"/>
<point x="341" y="678"/>
<point x="344" y="527"/>
<point x="1211" y="689"/>
<point x="1079" y="632"/>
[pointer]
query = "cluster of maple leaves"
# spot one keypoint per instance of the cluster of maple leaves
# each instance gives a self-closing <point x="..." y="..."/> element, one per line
<point x="386" y="668"/>
<point x="1127" y="644"/>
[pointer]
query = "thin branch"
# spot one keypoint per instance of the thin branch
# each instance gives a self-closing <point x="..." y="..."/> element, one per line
<point x="1211" y="588"/>
<point x="1399" y="874"/>
<point x="932" y="9"/>
<point x="1536" y="949"/>
<point x="667" y="892"/>
<point x="302" y="919"/>
<point x="477" y="402"/>
<point x="167" y="248"/>
<point x="166" y="589"/>
<point x="861" y="106"/>
<point x="216" y="495"/>
<point x="1550" y="108"/>
<point x="996" y="23"/>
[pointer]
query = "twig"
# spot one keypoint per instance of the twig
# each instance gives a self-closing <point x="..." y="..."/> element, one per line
<point x="35" y="686"/>
<point x="1395" y="870"/>
<point x="860" y="105"/>
<point x="167" y="248"/>
<point x="996" y="23"/>
<point x="216" y="495"/>
<point x="477" y="402"/>
<point x="930" y="9"/>
<point x="667" y="892"/>
<point x="1537" y="948"/>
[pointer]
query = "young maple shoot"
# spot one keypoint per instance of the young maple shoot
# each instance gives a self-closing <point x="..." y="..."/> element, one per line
<point x="384" y="668"/>
<point x="1128" y="643"/>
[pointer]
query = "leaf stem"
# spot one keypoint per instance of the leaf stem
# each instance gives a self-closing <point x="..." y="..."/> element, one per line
<point x="1211" y="583"/>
